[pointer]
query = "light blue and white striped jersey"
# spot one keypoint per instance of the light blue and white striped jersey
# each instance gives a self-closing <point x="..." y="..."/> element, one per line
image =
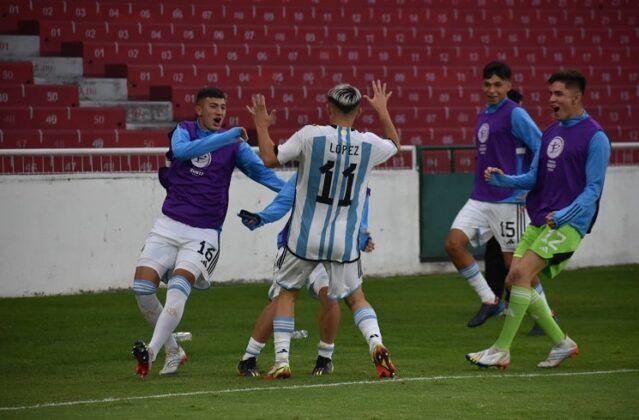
<point x="334" y="168"/>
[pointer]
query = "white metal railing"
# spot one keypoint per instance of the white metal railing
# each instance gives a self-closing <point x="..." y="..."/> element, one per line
<point x="129" y="152"/>
<point x="122" y="152"/>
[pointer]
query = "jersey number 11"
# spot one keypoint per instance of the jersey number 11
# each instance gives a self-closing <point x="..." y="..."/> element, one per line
<point x="327" y="196"/>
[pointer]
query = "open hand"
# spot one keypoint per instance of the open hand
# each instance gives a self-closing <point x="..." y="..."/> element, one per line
<point x="261" y="117"/>
<point x="380" y="97"/>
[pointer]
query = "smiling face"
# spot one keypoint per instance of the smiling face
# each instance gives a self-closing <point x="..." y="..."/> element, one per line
<point x="211" y="113"/>
<point x="565" y="102"/>
<point x="495" y="89"/>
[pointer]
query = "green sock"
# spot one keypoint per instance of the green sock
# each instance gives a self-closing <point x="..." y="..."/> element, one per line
<point x="519" y="301"/>
<point x="542" y="315"/>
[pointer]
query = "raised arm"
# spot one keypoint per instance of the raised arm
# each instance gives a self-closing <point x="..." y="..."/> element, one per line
<point x="183" y="148"/>
<point x="263" y="120"/>
<point x="249" y="163"/>
<point x="379" y="102"/>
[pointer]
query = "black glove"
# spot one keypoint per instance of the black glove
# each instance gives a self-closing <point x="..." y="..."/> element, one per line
<point x="250" y="220"/>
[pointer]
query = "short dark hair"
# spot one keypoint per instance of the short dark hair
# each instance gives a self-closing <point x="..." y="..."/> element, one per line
<point x="570" y="78"/>
<point x="515" y="96"/>
<point x="497" y="68"/>
<point x="345" y="97"/>
<point x="209" y="92"/>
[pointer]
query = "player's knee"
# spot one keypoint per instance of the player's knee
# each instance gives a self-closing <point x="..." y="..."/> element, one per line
<point x="356" y="300"/>
<point x="449" y="246"/>
<point x="188" y="275"/>
<point x="516" y="277"/>
<point x="453" y="245"/>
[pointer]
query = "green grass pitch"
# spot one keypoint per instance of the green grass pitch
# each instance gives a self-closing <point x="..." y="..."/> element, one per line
<point x="69" y="356"/>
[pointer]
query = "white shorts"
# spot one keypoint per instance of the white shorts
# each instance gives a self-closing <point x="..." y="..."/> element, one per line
<point x="292" y="273"/>
<point x="480" y="221"/>
<point x="316" y="281"/>
<point x="172" y="244"/>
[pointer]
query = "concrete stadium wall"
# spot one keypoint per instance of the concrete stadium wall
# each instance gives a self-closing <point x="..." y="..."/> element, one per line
<point x="68" y="234"/>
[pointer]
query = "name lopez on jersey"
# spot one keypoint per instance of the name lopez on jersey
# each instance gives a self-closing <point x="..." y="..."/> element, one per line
<point x="340" y="149"/>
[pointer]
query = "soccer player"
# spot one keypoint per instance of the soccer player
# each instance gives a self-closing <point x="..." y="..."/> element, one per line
<point x="317" y="285"/>
<point x="495" y="268"/>
<point x="566" y="181"/>
<point x="506" y="136"/>
<point x="203" y="156"/>
<point x="335" y="162"/>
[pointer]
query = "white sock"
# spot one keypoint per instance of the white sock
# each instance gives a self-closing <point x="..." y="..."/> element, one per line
<point x="366" y="320"/>
<point x="150" y="306"/>
<point x="253" y="349"/>
<point x="325" y="349"/>
<point x="176" y="296"/>
<point x="474" y="277"/>
<point x="283" y="327"/>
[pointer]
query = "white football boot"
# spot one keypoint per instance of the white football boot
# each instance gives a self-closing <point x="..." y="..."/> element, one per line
<point x="173" y="361"/>
<point x="492" y="356"/>
<point x="560" y="352"/>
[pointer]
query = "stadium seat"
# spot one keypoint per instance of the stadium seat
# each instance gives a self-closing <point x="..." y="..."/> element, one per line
<point x="54" y="33"/>
<point x="464" y="161"/>
<point x="435" y="161"/>
<point x="22" y="138"/>
<point x="16" y="72"/>
<point x="80" y="164"/>
<point x="624" y="132"/>
<point x="62" y="117"/>
<point x="47" y="95"/>
<point x="430" y="52"/>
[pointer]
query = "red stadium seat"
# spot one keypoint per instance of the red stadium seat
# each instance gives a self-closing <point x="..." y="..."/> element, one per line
<point x="627" y="132"/>
<point x="16" y="72"/>
<point x="98" y="54"/>
<point x="85" y="138"/>
<point x="437" y="136"/>
<point x="141" y="77"/>
<point x="29" y="139"/>
<point x="464" y="161"/>
<point x="62" y="118"/>
<point x="39" y="95"/>
<point x="431" y="54"/>
<point x="435" y="161"/>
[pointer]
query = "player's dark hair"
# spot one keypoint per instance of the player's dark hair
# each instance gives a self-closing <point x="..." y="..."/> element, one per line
<point x="345" y="97"/>
<point x="570" y="78"/>
<point x="209" y="92"/>
<point x="497" y="68"/>
<point x="515" y="96"/>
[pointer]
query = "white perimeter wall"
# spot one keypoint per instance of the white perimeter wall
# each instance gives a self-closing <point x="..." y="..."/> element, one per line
<point x="67" y="234"/>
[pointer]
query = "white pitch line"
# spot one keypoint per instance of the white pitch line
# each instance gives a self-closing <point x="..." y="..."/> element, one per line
<point x="336" y="384"/>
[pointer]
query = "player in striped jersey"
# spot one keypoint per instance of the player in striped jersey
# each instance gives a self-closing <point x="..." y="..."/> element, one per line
<point x="317" y="287"/>
<point x="335" y="162"/>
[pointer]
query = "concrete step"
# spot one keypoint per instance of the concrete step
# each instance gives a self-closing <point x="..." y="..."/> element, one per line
<point x="19" y="46"/>
<point x="139" y="112"/>
<point x="102" y="89"/>
<point x="57" y="70"/>
<point x="167" y="125"/>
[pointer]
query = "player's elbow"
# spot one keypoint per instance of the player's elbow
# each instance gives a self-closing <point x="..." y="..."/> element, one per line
<point x="270" y="161"/>
<point x="180" y="154"/>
